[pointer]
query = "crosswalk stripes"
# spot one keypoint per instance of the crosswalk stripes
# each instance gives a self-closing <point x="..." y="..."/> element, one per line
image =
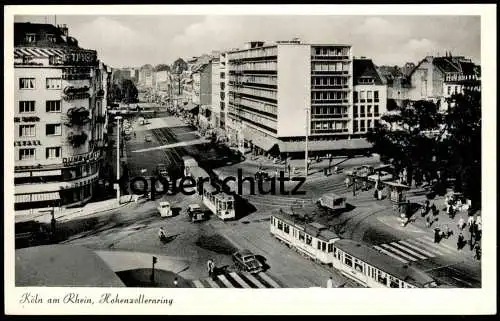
<point x="237" y="280"/>
<point x="412" y="250"/>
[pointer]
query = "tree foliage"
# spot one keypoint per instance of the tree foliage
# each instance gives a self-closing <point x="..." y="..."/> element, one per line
<point x="179" y="65"/>
<point x="162" y="67"/>
<point x="438" y="145"/>
<point x="129" y="91"/>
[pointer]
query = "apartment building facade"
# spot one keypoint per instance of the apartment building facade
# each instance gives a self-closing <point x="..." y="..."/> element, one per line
<point x="60" y="117"/>
<point x="216" y="93"/>
<point x="279" y="92"/>
<point x="202" y="93"/>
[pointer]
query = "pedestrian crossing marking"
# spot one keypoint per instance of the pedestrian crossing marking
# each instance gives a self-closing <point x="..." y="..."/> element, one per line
<point x="254" y="281"/>
<point x="239" y="280"/>
<point x="212" y="283"/>
<point x="387" y="246"/>
<point x="390" y="254"/>
<point x="269" y="280"/>
<point x="198" y="284"/>
<point x="408" y="250"/>
<point x="431" y="246"/>
<point x="225" y="281"/>
<point x="417" y="248"/>
<point x="453" y="250"/>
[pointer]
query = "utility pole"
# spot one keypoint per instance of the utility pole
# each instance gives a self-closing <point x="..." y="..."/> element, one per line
<point x="118" y="159"/>
<point x="307" y="143"/>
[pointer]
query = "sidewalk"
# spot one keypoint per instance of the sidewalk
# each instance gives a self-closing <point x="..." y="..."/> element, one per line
<point x="66" y="214"/>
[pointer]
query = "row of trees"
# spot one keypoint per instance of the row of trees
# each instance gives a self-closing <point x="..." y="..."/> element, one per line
<point x="126" y="92"/>
<point x="445" y="147"/>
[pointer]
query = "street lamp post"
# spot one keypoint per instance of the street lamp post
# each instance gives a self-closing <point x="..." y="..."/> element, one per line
<point x="118" y="159"/>
<point x="307" y="143"/>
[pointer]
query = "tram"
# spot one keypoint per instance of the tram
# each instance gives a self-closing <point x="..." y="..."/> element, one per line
<point x="218" y="202"/>
<point x="357" y="261"/>
<point x="311" y="239"/>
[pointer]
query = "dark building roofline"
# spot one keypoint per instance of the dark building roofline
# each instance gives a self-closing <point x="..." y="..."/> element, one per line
<point x="366" y="68"/>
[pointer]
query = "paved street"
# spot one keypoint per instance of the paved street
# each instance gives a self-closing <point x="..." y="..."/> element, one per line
<point x="135" y="227"/>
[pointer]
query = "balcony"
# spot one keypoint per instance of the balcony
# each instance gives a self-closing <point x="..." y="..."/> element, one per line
<point x="328" y="58"/>
<point x="78" y="117"/>
<point x="73" y="93"/>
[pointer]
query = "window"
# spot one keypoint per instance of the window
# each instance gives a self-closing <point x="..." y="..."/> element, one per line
<point x="301" y="236"/>
<point x="53" y="152"/>
<point x="362" y="96"/>
<point x="323" y="246"/>
<point x="27" y="106"/>
<point x="53" y="106"/>
<point x="369" y="125"/>
<point x="358" y="265"/>
<point x="27" y="83"/>
<point x="53" y="130"/>
<point x="51" y="38"/>
<point x="355" y="125"/>
<point x="348" y="260"/>
<point x="319" y="245"/>
<point x="308" y="240"/>
<point x="382" y="278"/>
<point x="355" y="111"/>
<point x="393" y="282"/>
<point x="26" y="154"/>
<point x="286" y="228"/>
<point x="362" y="111"/>
<point x="280" y="225"/>
<point x="30" y="37"/>
<point x="27" y="131"/>
<point x="362" y="125"/>
<point x="375" y="96"/>
<point x="355" y="96"/>
<point x="370" y="96"/>
<point x="376" y="111"/>
<point x="53" y="83"/>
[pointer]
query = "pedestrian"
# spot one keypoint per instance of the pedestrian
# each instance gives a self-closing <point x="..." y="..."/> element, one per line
<point x="477" y="255"/>
<point x="329" y="283"/>
<point x="209" y="267"/>
<point x="347" y="182"/>
<point x="434" y="209"/>
<point x="176" y="282"/>
<point x="428" y="221"/>
<point x="461" y="223"/>
<point x="437" y="235"/>
<point x="470" y="221"/>
<point x="460" y="241"/>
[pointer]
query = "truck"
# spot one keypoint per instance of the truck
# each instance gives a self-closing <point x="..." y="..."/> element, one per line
<point x="164" y="209"/>
<point x="332" y="202"/>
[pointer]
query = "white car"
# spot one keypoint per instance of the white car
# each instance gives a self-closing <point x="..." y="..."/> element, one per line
<point x="165" y="209"/>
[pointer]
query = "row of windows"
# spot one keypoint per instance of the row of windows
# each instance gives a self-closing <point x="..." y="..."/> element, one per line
<point x="29" y="153"/>
<point x="264" y="65"/>
<point x="372" y="272"/>
<point x="253" y="53"/>
<point x="366" y="95"/>
<point x="368" y="111"/>
<point x="28" y="106"/>
<point x="359" y="125"/>
<point x="265" y="80"/>
<point x="256" y="118"/>
<point x="30" y="130"/>
<point x="460" y="77"/>
<point x="329" y="95"/>
<point x="259" y="105"/>
<point x="329" y="81"/>
<point x="270" y="94"/>
<point x="330" y="66"/>
<point x="33" y="37"/>
<point x="50" y="83"/>
<point x="304" y="237"/>
<point x="329" y="110"/>
<point x="330" y="51"/>
<point x="334" y="125"/>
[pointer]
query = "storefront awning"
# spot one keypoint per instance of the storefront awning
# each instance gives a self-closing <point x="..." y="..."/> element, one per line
<point x="266" y="143"/>
<point x="348" y="144"/>
<point x="38" y="197"/>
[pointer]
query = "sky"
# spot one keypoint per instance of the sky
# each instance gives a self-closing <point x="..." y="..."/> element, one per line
<point x="132" y="41"/>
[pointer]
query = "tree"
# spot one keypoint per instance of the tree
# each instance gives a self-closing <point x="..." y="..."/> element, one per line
<point x="179" y="65"/>
<point x="115" y="93"/>
<point x="441" y="146"/>
<point x="162" y="67"/>
<point x="129" y="91"/>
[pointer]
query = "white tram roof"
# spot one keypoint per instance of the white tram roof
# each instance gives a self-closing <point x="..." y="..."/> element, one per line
<point x="221" y="195"/>
<point x="384" y="262"/>
<point x="198" y="172"/>
<point x="314" y="229"/>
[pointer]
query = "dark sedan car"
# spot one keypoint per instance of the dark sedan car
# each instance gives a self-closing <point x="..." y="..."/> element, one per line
<point x="246" y="261"/>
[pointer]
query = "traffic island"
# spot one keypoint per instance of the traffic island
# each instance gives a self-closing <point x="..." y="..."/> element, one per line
<point x="162" y="279"/>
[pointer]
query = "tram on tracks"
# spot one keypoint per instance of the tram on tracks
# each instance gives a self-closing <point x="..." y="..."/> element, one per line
<point x="221" y="204"/>
<point x="359" y="262"/>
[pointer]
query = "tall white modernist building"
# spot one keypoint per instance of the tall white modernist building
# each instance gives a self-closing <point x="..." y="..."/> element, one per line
<point x="274" y="88"/>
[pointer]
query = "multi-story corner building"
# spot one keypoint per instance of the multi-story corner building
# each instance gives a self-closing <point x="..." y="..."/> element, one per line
<point x="279" y="92"/>
<point x="60" y="116"/>
<point x="370" y="97"/>
<point x="437" y="78"/>
<point x="146" y="76"/>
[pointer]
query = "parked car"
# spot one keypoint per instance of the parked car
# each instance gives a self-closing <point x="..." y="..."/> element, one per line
<point x="195" y="213"/>
<point x="332" y="201"/>
<point x="165" y="209"/>
<point x="246" y="261"/>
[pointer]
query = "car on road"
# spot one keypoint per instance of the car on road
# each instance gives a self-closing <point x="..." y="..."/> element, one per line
<point x="361" y="171"/>
<point x="165" y="209"/>
<point x="246" y="261"/>
<point x="161" y="170"/>
<point x="148" y="138"/>
<point x="195" y="213"/>
<point x="383" y="176"/>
